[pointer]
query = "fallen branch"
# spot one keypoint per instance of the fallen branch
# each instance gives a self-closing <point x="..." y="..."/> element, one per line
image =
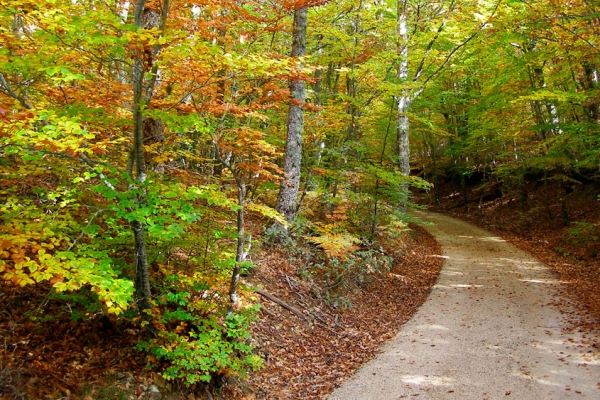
<point x="282" y="303"/>
<point x="267" y="311"/>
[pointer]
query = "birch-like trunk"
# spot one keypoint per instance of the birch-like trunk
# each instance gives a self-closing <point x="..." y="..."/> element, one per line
<point x="403" y="103"/>
<point x="591" y="83"/>
<point x="287" y="201"/>
<point x="240" y="252"/>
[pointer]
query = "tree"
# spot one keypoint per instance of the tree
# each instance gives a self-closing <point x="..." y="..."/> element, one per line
<point x="137" y="138"/>
<point x="146" y="18"/>
<point x="287" y="201"/>
<point x="423" y="74"/>
<point x="516" y="109"/>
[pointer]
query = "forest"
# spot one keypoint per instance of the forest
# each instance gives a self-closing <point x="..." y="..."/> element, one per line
<point x="154" y="153"/>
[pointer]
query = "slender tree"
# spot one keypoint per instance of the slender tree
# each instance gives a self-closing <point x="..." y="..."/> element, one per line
<point x="143" y="91"/>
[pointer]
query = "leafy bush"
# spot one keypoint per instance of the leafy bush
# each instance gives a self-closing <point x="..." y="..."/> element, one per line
<point x="198" y="339"/>
<point x="341" y="275"/>
<point x="587" y="235"/>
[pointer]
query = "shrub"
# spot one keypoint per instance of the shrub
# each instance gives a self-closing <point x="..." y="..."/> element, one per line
<point x="198" y="338"/>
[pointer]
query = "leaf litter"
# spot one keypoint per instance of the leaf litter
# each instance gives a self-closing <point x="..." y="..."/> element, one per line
<point x="305" y="358"/>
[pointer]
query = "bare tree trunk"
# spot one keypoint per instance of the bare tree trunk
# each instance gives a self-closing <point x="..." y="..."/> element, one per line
<point x="144" y="18"/>
<point x="403" y="131"/>
<point x="591" y="83"/>
<point x="142" y="279"/>
<point x="287" y="201"/>
<point x="403" y="101"/>
<point x="240" y="252"/>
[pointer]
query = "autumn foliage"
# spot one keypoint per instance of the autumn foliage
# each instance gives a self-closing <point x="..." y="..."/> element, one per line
<point x="142" y="146"/>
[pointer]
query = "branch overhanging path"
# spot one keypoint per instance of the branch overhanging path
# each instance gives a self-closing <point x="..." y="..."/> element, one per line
<point x="489" y="329"/>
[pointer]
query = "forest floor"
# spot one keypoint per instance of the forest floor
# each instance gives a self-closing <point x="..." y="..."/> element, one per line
<point x="530" y="223"/>
<point x="306" y="358"/>
<point x="311" y="337"/>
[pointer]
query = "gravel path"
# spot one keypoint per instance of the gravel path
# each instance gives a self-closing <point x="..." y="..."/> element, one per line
<point x="489" y="330"/>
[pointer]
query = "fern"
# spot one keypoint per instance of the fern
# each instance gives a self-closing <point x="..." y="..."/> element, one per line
<point x="336" y="244"/>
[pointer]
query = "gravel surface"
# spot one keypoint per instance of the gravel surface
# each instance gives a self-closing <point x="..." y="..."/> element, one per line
<point x="490" y="329"/>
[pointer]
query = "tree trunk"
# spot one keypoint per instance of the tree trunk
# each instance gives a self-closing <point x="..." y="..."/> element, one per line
<point x="547" y="195"/>
<point x="154" y="134"/>
<point x="403" y="102"/>
<point x="374" y="220"/>
<point x="142" y="278"/>
<point x="592" y="107"/>
<point x="240" y="253"/>
<point x="403" y="130"/>
<point x="144" y="18"/>
<point x="287" y="201"/>
<point x="436" y="190"/>
<point x="562" y="189"/>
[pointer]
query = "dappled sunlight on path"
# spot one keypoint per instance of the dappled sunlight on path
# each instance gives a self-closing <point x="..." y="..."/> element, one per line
<point x="489" y="329"/>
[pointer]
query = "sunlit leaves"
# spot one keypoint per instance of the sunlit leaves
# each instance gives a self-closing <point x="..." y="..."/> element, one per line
<point x="28" y="259"/>
<point x="336" y="244"/>
<point x="521" y="99"/>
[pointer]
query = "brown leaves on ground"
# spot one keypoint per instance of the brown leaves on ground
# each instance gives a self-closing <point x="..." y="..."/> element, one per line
<point x="308" y="359"/>
<point x="61" y="357"/>
<point x="304" y="358"/>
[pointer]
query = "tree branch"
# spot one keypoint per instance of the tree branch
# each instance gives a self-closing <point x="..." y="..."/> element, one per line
<point x="283" y="304"/>
<point x="7" y="90"/>
<point x="427" y="51"/>
<point x="455" y="49"/>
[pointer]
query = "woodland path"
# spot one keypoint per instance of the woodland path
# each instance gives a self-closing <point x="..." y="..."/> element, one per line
<point x="490" y="329"/>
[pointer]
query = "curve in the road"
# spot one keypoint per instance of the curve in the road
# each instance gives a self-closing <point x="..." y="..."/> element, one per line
<point x="490" y="329"/>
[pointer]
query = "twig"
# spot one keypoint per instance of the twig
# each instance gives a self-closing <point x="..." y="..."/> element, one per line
<point x="282" y="303"/>
<point x="458" y="47"/>
<point x="293" y="286"/>
<point x="315" y="316"/>
<point x="18" y="395"/>
<point x="267" y="311"/>
<point x="87" y="226"/>
<point x="208" y="393"/>
<point x="6" y="89"/>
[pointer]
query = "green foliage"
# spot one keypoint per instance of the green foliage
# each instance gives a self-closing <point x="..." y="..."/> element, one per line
<point x="37" y="244"/>
<point x="81" y="305"/>
<point x="586" y="235"/>
<point x="198" y="340"/>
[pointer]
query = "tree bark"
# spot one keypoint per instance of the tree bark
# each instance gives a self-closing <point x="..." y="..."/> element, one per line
<point x="142" y="278"/>
<point x="240" y="253"/>
<point x="287" y="201"/>
<point x="590" y="83"/>
<point x="144" y="18"/>
<point x="403" y="103"/>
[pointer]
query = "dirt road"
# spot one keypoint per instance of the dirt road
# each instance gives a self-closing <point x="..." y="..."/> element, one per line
<point x="489" y="330"/>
